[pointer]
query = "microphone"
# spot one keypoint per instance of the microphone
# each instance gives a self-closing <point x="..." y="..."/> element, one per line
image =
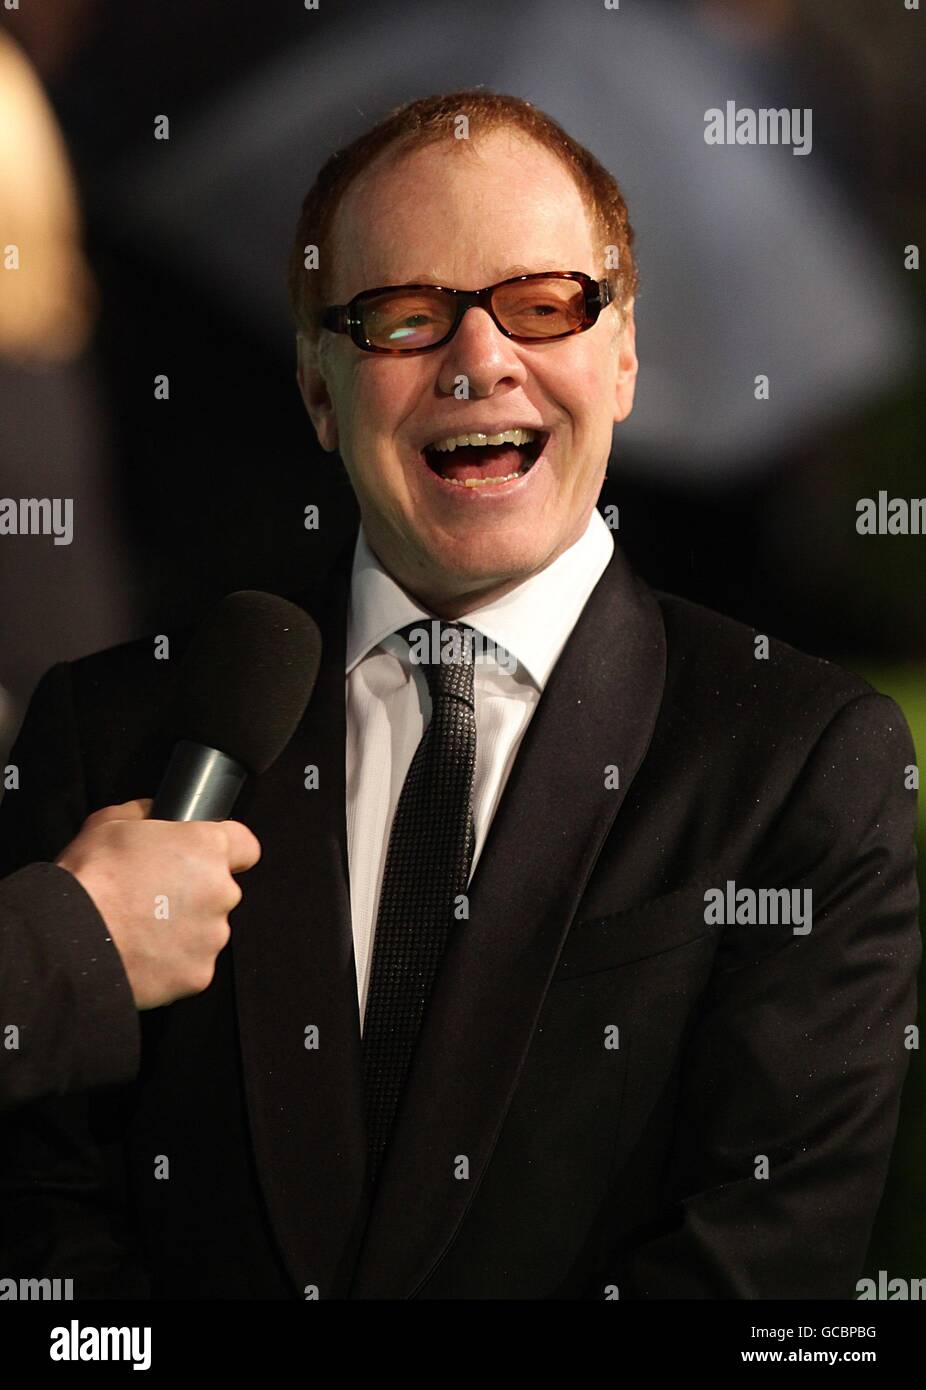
<point x="243" y="687"/>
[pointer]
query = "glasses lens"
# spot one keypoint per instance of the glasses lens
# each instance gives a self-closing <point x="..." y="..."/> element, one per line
<point x="407" y="319"/>
<point x="542" y="308"/>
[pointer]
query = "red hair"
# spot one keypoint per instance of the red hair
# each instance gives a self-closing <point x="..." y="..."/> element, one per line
<point x="425" y="122"/>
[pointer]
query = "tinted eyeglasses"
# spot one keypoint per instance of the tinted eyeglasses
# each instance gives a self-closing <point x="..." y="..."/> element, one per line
<point x="417" y="318"/>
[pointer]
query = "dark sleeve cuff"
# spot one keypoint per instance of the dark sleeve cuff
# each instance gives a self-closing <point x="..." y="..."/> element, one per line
<point x="64" y="988"/>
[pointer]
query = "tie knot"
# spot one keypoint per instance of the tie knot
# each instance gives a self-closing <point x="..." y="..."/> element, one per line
<point x="445" y="652"/>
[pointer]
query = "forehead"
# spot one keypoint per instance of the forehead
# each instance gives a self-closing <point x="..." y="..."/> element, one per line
<point x="466" y="217"/>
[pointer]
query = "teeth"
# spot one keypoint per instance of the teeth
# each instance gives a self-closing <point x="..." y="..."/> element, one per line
<point x="459" y="441"/>
<point x="485" y="482"/>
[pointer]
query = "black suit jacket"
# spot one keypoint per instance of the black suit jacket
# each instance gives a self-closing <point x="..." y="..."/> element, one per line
<point x="531" y="1157"/>
<point x="67" y="1017"/>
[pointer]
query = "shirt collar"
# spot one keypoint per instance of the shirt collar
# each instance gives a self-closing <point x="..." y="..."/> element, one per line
<point x="533" y="621"/>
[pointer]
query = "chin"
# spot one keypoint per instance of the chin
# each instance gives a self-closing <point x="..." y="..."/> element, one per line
<point x="487" y="558"/>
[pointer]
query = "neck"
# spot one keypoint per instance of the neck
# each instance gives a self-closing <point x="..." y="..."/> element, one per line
<point x="449" y="596"/>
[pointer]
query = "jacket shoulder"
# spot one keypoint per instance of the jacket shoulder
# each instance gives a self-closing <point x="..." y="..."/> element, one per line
<point x="725" y="679"/>
<point x="721" y="653"/>
<point x="745" y="717"/>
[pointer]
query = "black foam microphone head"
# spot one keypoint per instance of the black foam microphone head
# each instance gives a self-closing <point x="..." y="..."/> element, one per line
<point x="247" y="677"/>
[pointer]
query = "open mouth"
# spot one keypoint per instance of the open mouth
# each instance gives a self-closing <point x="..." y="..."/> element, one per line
<point x="468" y="462"/>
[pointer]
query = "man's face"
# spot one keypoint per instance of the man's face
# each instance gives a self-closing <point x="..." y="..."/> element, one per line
<point x="468" y="218"/>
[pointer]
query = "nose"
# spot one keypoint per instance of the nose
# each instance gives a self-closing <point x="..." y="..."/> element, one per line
<point x="481" y="353"/>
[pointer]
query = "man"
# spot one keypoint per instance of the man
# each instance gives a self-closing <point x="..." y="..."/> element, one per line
<point x="579" y="1075"/>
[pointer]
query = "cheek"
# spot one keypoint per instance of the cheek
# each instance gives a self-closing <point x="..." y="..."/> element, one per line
<point x="597" y="384"/>
<point x="583" y="395"/>
<point x="580" y="385"/>
<point x="390" y="390"/>
<point x="363" y="399"/>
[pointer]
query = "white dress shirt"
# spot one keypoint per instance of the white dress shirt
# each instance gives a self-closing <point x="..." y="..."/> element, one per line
<point x="389" y="706"/>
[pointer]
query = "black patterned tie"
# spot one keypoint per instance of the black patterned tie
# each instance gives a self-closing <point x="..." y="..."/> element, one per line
<point x="427" y="865"/>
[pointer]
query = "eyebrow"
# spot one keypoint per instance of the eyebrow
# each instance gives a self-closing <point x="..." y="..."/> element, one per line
<point x="512" y="270"/>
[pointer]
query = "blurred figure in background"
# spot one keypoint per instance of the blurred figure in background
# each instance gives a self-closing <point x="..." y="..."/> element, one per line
<point x="59" y="600"/>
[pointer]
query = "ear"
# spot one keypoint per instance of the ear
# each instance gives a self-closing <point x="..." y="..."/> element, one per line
<point x="314" y="391"/>
<point x="625" y="354"/>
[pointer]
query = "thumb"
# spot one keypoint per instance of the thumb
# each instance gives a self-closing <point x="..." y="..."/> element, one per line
<point x="126" y="810"/>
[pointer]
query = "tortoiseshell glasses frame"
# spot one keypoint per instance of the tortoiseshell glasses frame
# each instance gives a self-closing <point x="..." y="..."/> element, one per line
<point x="358" y="318"/>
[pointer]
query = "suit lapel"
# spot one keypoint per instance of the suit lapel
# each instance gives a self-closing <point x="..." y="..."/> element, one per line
<point x="294" y="970"/>
<point x="292" y="948"/>
<point x="599" y="708"/>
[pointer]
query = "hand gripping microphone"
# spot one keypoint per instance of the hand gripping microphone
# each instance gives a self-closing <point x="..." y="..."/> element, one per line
<point x="243" y="687"/>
